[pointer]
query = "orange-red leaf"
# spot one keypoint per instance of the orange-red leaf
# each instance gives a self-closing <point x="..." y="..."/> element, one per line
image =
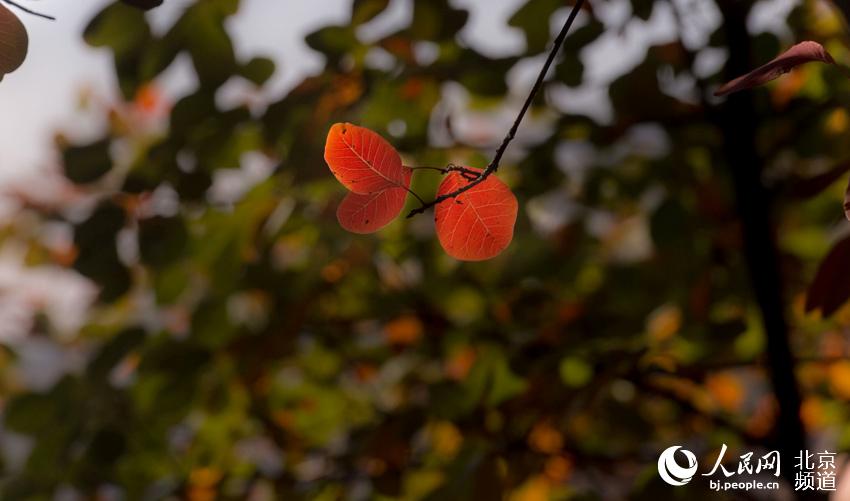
<point x="479" y="223"/>
<point x="369" y="213"/>
<point x="361" y="160"/>
<point x="803" y="52"/>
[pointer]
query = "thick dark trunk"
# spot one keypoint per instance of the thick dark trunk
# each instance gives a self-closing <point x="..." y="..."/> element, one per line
<point x="739" y="121"/>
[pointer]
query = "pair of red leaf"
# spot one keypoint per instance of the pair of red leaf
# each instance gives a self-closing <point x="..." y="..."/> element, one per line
<point x="476" y="225"/>
<point x="371" y="169"/>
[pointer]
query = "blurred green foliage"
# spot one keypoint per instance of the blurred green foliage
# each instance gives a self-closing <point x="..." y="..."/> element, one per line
<point x="250" y="348"/>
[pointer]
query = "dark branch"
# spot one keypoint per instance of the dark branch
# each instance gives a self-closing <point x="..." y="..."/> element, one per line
<point x="494" y="165"/>
<point x="438" y="169"/>
<point x="468" y="173"/>
<point x="28" y="11"/>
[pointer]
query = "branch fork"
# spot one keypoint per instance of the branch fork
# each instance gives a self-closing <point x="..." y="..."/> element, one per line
<point x="478" y="178"/>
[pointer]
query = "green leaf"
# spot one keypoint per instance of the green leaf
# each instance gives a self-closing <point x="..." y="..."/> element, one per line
<point x="533" y="19"/>
<point x="643" y="8"/>
<point x="143" y="4"/>
<point x="491" y="380"/>
<point x="332" y="41"/>
<point x="258" y="70"/>
<point x="106" y="446"/>
<point x="363" y="11"/>
<point x="570" y="71"/>
<point x="504" y="384"/>
<point x="437" y="20"/>
<point x="575" y="372"/>
<point x="120" y="28"/>
<point x="162" y="240"/>
<point x="30" y="413"/>
<point x="97" y="256"/>
<point x="209" y="45"/>
<point x="211" y="325"/>
<point x="114" y="350"/>
<point x="87" y="163"/>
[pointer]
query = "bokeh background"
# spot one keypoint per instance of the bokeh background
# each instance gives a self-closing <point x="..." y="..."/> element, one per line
<point x="181" y="316"/>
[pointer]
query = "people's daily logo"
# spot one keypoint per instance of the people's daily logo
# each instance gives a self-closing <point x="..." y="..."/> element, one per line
<point x="671" y="471"/>
<point x="815" y="471"/>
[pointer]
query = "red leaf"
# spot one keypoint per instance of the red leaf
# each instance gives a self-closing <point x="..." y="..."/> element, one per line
<point x="803" y="52"/>
<point x="831" y="288"/>
<point x="478" y="224"/>
<point x="369" y="213"/>
<point x="361" y="160"/>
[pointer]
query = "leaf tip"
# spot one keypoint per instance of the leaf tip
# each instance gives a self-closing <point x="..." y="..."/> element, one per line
<point x="801" y="53"/>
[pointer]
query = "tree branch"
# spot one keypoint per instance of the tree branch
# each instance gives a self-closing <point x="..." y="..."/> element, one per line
<point x="468" y="174"/>
<point x="28" y="11"/>
<point x="494" y="165"/>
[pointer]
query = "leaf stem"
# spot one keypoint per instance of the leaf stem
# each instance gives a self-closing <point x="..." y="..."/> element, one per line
<point x="538" y="84"/>
<point x="438" y="169"/>
<point x="415" y="195"/>
<point x="28" y="11"/>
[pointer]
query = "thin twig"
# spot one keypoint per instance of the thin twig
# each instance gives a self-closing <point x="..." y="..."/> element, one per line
<point x="438" y="169"/>
<point x="415" y="195"/>
<point x="466" y="172"/>
<point x="28" y="11"/>
<point x="494" y="165"/>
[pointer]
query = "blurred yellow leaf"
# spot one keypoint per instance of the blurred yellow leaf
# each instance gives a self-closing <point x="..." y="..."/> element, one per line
<point x="837" y="121"/>
<point x="788" y="87"/>
<point x="201" y="494"/>
<point x="812" y="413"/>
<point x="545" y="438"/>
<point x="839" y="379"/>
<point x="727" y="390"/>
<point x="811" y="375"/>
<point x="575" y="372"/>
<point x="664" y="322"/>
<point x="558" y="468"/>
<point x="204" y="477"/>
<point x="345" y="90"/>
<point x="333" y="272"/>
<point x="404" y="330"/>
<point x="460" y="362"/>
<point x="534" y="489"/>
<point x="445" y="439"/>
